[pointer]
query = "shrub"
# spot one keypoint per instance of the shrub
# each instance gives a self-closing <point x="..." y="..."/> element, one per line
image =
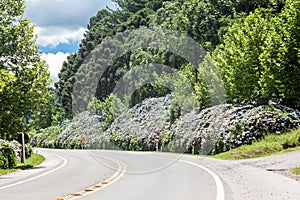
<point x="28" y="151"/>
<point x="3" y="162"/>
<point x="46" y="137"/>
<point x="9" y="154"/>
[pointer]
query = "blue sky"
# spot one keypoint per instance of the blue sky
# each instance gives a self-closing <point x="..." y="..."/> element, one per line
<point x="60" y="25"/>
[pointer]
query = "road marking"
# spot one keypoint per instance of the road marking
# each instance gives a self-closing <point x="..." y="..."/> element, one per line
<point x="39" y="176"/>
<point x="139" y="153"/>
<point x="220" y="188"/>
<point x="100" y="186"/>
<point x="219" y="184"/>
<point x="149" y="154"/>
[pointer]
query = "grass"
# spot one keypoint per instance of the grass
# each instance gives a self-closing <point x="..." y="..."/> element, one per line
<point x="270" y="145"/>
<point x="296" y="171"/>
<point x="34" y="160"/>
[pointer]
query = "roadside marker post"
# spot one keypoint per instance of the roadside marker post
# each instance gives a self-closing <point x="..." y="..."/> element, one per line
<point x="156" y="140"/>
<point x="23" y="149"/>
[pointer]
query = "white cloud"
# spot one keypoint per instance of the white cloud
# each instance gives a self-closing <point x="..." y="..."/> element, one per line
<point x="62" y="21"/>
<point x="53" y="36"/>
<point x="65" y="13"/>
<point x="55" y="62"/>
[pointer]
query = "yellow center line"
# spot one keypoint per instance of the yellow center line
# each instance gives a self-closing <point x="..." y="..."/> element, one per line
<point x="101" y="185"/>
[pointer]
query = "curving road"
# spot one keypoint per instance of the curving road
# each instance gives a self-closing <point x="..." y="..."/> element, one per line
<point x="158" y="176"/>
<point x="131" y="176"/>
<point x="62" y="173"/>
<point x="114" y="175"/>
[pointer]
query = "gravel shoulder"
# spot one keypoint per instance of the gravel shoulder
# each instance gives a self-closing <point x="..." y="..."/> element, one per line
<point x="280" y="164"/>
<point x="266" y="178"/>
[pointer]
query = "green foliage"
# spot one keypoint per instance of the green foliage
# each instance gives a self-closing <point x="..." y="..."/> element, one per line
<point x="7" y="156"/>
<point x="255" y="45"/>
<point x="191" y="93"/>
<point x="3" y="162"/>
<point x="296" y="170"/>
<point x="46" y="137"/>
<point x="224" y="127"/>
<point x="34" y="160"/>
<point x="103" y="25"/>
<point x="28" y="151"/>
<point x="85" y="130"/>
<point x="205" y="21"/>
<point x="200" y="87"/>
<point x="134" y="6"/>
<point x="281" y="56"/>
<point x="107" y="23"/>
<point x="110" y="108"/>
<point x="198" y="19"/>
<point x="238" y="58"/>
<point x="48" y="113"/>
<point x="259" y="58"/>
<point x="174" y="113"/>
<point x="23" y="75"/>
<point x="272" y="144"/>
<point x="261" y="121"/>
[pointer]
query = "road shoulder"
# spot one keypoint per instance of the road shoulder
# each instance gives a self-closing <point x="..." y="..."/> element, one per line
<point x="259" y="178"/>
<point x="51" y="162"/>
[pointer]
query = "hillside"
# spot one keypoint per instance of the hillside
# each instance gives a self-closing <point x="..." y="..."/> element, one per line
<point x="210" y="131"/>
<point x="236" y="65"/>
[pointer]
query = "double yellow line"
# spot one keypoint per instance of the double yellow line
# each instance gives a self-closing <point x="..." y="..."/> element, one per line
<point x="120" y="172"/>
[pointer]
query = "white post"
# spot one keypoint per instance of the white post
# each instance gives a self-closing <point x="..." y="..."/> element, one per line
<point x="23" y="149"/>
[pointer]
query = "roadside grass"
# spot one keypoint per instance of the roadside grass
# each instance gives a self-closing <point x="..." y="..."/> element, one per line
<point x="34" y="160"/>
<point x="296" y="170"/>
<point x="270" y="145"/>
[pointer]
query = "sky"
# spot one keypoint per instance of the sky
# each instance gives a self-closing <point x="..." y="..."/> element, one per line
<point x="60" y="25"/>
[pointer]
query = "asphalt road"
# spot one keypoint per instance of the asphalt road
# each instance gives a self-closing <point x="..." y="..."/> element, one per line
<point x="63" y="172"/>
<point x="151" y="176"/>
<point x="119" y="175"/>
<point x="130" y="176"/>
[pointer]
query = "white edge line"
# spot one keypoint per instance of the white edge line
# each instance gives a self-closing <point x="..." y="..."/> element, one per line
<point x="219" y="184"/>
<point x="39" y="176"/>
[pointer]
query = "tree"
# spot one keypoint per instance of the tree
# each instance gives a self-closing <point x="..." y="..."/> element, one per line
<point x="108" y="109"/>
<point x="134" y="6"/>
<point x="206" y="21"/>
<point x="238" y="57"/>
<point x="107" y="22"/>
<point x="24" y="76"/>
<point x="282" y="55"/>
<point x="48" y="113"/>
<point x="104" y="24"/>
<point x="259" y="59"/>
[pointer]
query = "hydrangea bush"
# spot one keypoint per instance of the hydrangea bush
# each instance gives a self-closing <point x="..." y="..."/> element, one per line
<point x="210" y="131"/>
<point x="224" y="127"/>
<point x="10" y="153"/>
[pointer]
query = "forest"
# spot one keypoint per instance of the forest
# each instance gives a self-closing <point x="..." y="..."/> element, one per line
<point x="254" y="45"/>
